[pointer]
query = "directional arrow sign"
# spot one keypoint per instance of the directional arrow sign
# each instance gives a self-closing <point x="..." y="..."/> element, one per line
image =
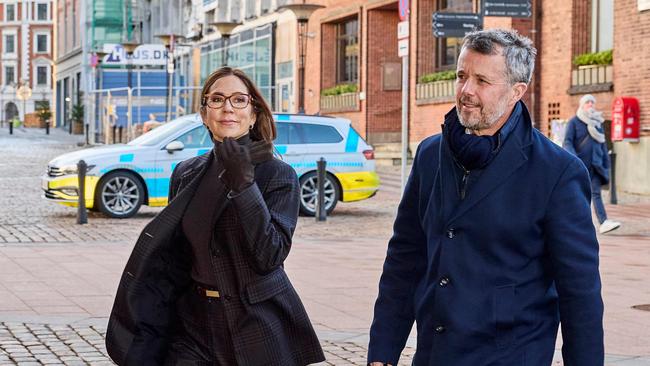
<point x="507" y="8"/>
<point x="456" y="24"/>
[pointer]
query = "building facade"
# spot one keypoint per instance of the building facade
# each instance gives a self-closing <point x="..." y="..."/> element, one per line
<point x="26" y="49"/>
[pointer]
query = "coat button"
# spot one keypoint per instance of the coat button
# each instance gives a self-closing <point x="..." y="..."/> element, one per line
<point x="440" y="329"/>
<point x="450" y="233"/>
<point x="444" y="281"/>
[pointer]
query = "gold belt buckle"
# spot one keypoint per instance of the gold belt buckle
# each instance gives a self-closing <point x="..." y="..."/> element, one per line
<point x="212" y="293"/>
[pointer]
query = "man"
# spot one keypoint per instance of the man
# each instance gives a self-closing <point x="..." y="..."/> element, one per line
<point x="493" y="243"/>
<point x="585" y="139"/>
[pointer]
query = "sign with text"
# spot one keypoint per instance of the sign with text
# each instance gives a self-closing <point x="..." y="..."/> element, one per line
<point x="146" y="54"/>
<point x="403" y="47"/>
<point x="456" y="24"/>
<point x="507" y="8"/>
<point x="403" y="29"/>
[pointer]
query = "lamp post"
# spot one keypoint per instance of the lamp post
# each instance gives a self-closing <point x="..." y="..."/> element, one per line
<point x="225" y="29"/>
<point x="302" y="11"/>
<point x="98" y="57"/>
<point x="168" y="40"/>
<point x="129" y="47"/>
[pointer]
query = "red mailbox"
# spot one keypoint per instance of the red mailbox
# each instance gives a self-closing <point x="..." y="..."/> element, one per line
<point x="625" y="119"/>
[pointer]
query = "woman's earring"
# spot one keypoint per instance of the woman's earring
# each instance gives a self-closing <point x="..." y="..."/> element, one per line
<point x="251" y="127"/>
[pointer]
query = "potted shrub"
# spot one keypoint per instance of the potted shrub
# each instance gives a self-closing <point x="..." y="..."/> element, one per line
<point x="44" y="114"/>
<point x="77" y="116"/>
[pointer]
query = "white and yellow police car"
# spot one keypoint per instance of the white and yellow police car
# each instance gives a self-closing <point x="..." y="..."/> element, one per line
<point x="122" y="177"/>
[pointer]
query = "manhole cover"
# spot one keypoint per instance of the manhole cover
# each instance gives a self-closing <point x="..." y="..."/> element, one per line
<point x="644" y="307"/>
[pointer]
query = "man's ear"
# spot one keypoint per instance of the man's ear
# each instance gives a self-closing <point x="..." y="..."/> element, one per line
<point x="518" y="91"/>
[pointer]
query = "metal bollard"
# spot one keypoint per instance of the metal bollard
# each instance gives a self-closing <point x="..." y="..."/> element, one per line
<point x="11" y="127"/>
<point x="82" y="215"/>
<point x="119" y="131"/>
<point x="47" y="127"/>
<point x="321" y="212"/>
<point x="612" y="178"/>
<point x="114" y="128"/>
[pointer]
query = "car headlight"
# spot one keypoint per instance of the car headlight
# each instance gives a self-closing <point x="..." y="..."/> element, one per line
<point x="72" y="169"/>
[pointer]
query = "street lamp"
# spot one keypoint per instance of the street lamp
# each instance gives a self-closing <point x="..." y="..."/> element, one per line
<point x="98" y="57"/>
<point x="302" y="11"/>
<point x="129" y="47"/>
<point x="225" y="29"/>
<point x="168" y="40"/>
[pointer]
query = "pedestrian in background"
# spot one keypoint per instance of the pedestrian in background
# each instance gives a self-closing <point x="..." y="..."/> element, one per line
<point x="205" y="284"/>
<point x="493" y="244"/>
<point x="585" y="138"/>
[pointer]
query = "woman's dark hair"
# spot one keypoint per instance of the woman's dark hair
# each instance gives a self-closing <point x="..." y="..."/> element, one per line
<point x="264" y="128"/>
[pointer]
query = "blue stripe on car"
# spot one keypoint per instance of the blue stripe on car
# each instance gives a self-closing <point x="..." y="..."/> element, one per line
<point x="126" y="158"/>
<point x="283" y="117"/>
<point x="158" y="187"/>
<point x="202" y="151"/>
<point x="353" y="141"/>
<point x="281" y="149"/>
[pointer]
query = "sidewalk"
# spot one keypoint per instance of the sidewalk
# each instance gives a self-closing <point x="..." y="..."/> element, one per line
<point x="58" y="279"/>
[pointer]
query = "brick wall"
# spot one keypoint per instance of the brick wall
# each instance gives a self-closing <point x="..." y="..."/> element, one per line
<point x="632" y="56"/>
<point x="384" y="107"/>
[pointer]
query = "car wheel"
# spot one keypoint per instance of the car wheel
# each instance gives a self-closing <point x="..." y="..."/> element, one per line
<point x="120" y="194"/>
<point x="309" y="193"/>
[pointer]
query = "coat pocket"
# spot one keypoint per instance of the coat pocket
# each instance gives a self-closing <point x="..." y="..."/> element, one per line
<point x="504" y="308"/>
<point x="268" y="286"/>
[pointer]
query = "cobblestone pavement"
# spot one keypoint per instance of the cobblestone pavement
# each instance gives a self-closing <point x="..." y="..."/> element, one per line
<point x="57" y="279"/>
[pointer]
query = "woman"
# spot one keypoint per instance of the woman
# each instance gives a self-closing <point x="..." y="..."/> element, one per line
<point x="205" y="283"/>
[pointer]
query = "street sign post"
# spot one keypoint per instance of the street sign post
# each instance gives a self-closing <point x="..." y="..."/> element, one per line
<point x="508" y="8"/>
<point x="456" y="24"/>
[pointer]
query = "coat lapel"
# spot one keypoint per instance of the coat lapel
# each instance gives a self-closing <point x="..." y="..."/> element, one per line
<point x="512" y="156"/>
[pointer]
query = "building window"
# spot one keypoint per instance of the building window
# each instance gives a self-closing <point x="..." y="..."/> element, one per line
<point x="10" y="43"/>
<point x="448" y="48"/>
<point x="347" y="51"/>
<point x="41" y="75"/>
<point x="41" y="11"/>
<point x="10" y="13"/>
<point x="41" y="43"/>
<point x="602" y="25"/>
<point x="10" y="75"/>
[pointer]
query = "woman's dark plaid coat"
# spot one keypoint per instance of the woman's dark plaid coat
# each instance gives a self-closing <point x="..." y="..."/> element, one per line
<point x="269" y="325"/>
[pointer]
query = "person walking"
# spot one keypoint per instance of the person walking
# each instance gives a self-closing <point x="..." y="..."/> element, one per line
<point x="205" y="284"/>
<point x="584" y="137"/>
<point x="493" y="244"/>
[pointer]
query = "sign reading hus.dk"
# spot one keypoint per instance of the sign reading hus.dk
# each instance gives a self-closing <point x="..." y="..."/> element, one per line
<point x="146" y="54"/>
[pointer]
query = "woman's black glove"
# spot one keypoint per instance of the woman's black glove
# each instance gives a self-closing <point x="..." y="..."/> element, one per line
<point x="236" y="160"/>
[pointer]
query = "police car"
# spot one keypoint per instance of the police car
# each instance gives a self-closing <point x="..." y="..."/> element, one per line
<point x="121" y="178"/>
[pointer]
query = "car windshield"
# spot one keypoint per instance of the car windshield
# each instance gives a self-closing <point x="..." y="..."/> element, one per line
<point x="159" y="134"/>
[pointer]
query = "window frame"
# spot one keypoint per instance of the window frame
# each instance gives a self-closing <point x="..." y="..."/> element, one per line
<point x="340" y="59"/>
<point x="13" y="35"/>
<point x="48" y="15"/>
<point x="6" y="11"/>
<point x="5" y="66"/>
<point x="47" y="42"/>
<point x="441" y="43"/>
<point x="47" y="75"/>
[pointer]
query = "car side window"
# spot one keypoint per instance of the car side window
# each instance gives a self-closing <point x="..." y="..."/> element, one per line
<point x="288" y="133"/>
<point x="321" y="134"/>
<point x="196" y="138"/>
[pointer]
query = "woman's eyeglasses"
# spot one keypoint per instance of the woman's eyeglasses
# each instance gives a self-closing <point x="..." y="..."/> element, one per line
<point x="237" y="100"/>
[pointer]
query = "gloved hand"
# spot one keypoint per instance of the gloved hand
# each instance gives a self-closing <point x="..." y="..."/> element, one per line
<point x="236" y="160"/>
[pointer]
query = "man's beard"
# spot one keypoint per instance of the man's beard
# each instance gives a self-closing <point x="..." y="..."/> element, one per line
<point x="485" y="119"/>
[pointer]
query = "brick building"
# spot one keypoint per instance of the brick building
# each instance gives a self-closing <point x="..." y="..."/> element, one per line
<point x="355" y="43"/>
<point x="26" y="48"/>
